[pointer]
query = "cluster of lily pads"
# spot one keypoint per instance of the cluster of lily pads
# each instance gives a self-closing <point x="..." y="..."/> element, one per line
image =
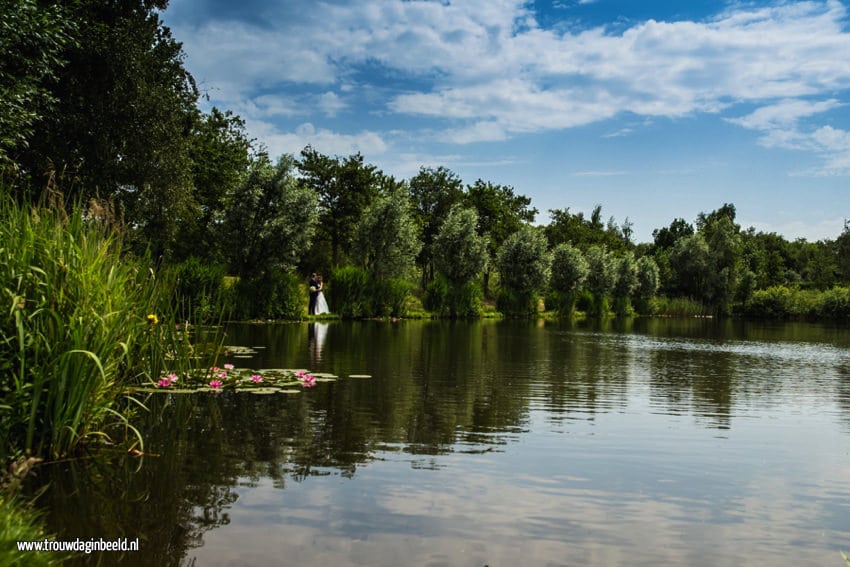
<point x="216" y="379"/>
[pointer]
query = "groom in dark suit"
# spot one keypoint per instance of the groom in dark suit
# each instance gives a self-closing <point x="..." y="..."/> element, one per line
<point x="314" y="293"/>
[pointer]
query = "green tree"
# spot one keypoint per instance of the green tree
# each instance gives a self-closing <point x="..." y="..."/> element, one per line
<point x="32" y="39"/>
<point x="386" y="239"/>
<point x="524" y="265"/>
<point x="665" y="238"/>
<point x="626" y="281"/>
<point x="601" y="278"/>
<point x="569" y="271"/>
<point x="121" y="125"/>
<point x="460" y="255"/>
<point x="842" y="253"/>
<point x="819" y="263"/>
<point x="648" y="281"/>
<point x="581" y="232"/>
<point x="501" y="213"/>
<point x="690" y="262"/>
<point x="770" y="257"/>
<point x="345" y="188"/>
<point x="723" y="277"/>
<point x="271" y="219"/>
<point x="433" y="192"/>
<point x="220" y="154"/>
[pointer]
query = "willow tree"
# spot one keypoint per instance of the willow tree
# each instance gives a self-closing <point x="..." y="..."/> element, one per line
<point x="648" y="281"/>
<point x="569" y="271"/>
<point x="460" y="255"/>
<point x="386" y="243"/>
<point x="524" y="266"/>
<point x="501" y="213"/>
<point x="269" y="225"/>
<point x="601" y="278"/>
<point x="625" y="282"/>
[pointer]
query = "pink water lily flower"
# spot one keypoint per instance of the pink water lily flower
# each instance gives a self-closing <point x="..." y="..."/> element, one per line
<point x="164" y="383"/>
<point x="215" y="369"/>
<point x="229" y="367"/>
<point x="256" y="378"/>
<point x="300" y="374"/>
<point x="309" y="381"/>
<point x="215" y="384"/>
<point x="172" y="377"/>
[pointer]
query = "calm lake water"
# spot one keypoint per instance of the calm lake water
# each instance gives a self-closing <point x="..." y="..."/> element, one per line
<point x="661" y="442"/>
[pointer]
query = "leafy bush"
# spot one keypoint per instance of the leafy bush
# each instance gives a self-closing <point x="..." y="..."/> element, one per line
<point x="516" y="304"/>
<point x="834" y="303"/>
<point x="464" y="301"/>
<point x="350" y="292"/>
<point x="782" y="302"/>
<point x="389" y="298"/>
<point x="454" y="300"/>
<point x="276" y="296"/>
<point x="436" y="296"/>
<point x="771" y="303"/>
<point x="199" y="291"/>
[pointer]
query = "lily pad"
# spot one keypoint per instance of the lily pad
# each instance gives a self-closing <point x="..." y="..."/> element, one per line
<point x="359" y="376"/>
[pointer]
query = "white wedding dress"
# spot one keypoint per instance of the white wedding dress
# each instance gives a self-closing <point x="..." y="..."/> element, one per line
<point x="321" y="304"/>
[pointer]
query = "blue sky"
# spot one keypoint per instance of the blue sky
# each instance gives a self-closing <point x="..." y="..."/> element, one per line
<point x="653" y="109"/>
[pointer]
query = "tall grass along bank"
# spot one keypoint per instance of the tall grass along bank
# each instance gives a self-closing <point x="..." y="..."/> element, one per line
<point x="75" y="329"/>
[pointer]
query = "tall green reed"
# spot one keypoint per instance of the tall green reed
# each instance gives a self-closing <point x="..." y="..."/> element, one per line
<point x="74" y="330"/>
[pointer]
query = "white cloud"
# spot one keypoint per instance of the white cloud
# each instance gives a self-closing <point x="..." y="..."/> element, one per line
<point x="784" y="114"/>
<point x="330" y="103"/>
<point x="488" y="71"/>
<point x="781" y="127"/>
<point x="323" y="140"/>
<point x="810" y="229"/>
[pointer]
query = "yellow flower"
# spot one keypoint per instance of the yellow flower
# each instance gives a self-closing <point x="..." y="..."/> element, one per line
<point x="153" y="319"/>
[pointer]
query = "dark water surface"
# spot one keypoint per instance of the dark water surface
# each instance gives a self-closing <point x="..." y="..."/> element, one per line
<point x="663" y="442"/>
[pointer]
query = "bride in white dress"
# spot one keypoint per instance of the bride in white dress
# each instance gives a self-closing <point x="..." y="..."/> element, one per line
<point x="321" y="303"/>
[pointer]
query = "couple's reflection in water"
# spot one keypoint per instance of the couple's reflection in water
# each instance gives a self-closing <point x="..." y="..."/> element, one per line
<point x="316" y="335"/>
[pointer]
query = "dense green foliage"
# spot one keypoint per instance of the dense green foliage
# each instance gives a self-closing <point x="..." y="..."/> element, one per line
<point x="460" y="255"/>
<point x="434" y="193"/>
<point x="345" y="188"/>
<point x="80" y="323"/>
<point x="569" y="272"/>
<point x="524" y="265"/>
<point x="349" y="292"/>
<point x="386" y="241"/>
<point x="32" y="38"/>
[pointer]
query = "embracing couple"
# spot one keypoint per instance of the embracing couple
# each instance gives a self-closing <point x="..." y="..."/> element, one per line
<point x="318" y="305"/>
